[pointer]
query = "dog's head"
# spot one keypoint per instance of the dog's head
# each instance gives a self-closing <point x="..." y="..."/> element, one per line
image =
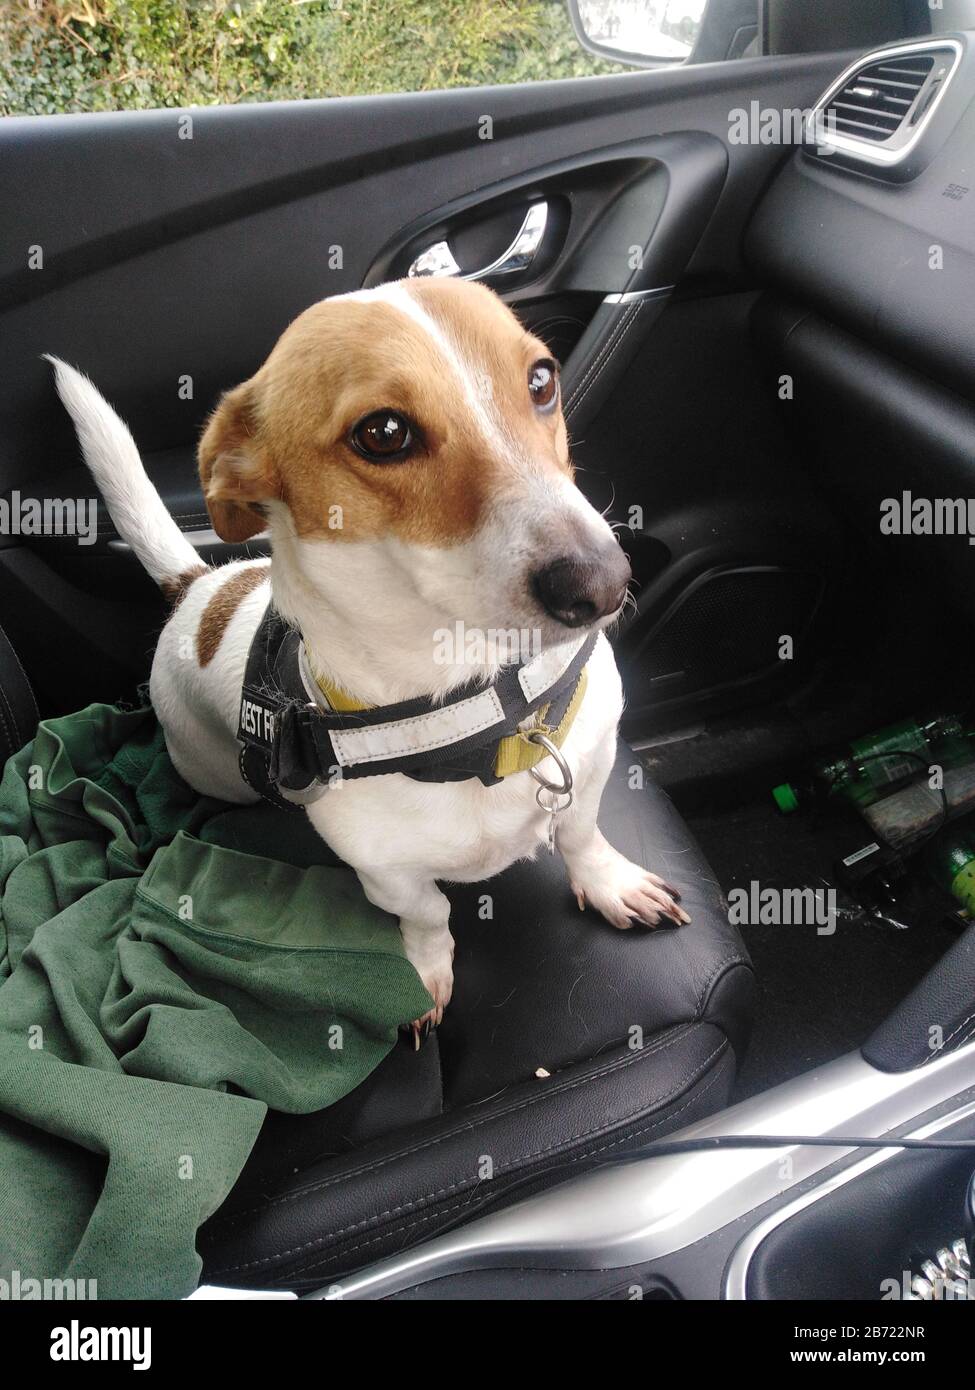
<point x="408" y="442"/>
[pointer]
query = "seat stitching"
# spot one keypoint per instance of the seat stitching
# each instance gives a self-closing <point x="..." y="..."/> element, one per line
<point x="941" y="1046"/>
<point x="453" y="1187"/>
<point x="11" y="726"/>
<point x="467" y="1126"/>
<point x="14" y="743"/>
<point x="12" y="713"/>
<point x="622" y="334"/>
<point x="510" y="1167"/>
<point x="593" y="366"/>
<point x="961" y="1025"/>
<point x="967" y="1038"/>
<point x="20" y="668"/>
<point x="109" y="528"/>
<point x="575" y="1158"/>
<point x="596" y="366"/>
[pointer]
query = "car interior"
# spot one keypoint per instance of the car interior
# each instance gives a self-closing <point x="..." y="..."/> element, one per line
<point x="761" y="340"/>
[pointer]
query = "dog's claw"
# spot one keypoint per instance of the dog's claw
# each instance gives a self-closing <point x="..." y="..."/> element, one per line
<point x="665" y="922"/>
<point x="415" y="1034"/>
<point x="626" y="894"/>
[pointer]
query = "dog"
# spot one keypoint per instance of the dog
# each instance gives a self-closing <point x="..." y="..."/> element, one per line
<point x="404" y="448"/>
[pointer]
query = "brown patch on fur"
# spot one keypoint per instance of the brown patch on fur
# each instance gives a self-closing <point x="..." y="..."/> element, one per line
<point x="284" y="435"/>
<point x="222" y="607"/>
<point x="175" y="589"/>
<point x="236" y="477"/>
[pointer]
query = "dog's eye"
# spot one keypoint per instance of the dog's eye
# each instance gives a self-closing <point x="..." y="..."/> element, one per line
<point x="382" y="435"/>
<point x="543" y="383"/>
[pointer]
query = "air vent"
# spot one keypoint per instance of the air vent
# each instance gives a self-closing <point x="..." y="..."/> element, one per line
<point x="878" y="110"/>
<point x="880" y="100"/>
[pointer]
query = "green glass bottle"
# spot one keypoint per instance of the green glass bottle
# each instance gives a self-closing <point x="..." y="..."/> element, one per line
<point x="880" y="760"/>
<point x="953" y="866"/>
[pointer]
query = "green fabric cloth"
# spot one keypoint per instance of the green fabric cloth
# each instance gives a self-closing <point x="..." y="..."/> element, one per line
<point x="170" y="967"/>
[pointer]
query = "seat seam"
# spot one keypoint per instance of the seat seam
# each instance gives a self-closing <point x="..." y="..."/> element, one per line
<point x="602" y="359"/>
<point x="20" y="668"/>
<point x="954" y="1032"/>
<point x="967" y="1038"/>
<point x="709" y="983"/>
<point x="593" y="365"/>
<point x="201" y="515"/>
<point x="11" y="724"/>
<point x="596" y="365"/>
<point x="618" y="1063"/>
<point x="575" y="1158"/>
<point x="624" y="330"/>
<point x="11" y="735"/>
<point x="509" y="1168"/>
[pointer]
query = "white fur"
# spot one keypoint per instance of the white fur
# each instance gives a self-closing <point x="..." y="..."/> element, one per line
<point x="133" y="503"/>
<point x="366" y="611"/>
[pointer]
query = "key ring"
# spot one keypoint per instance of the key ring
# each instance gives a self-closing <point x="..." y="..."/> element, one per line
<point x="536" y="736"/>
<point x="555" y="809"/>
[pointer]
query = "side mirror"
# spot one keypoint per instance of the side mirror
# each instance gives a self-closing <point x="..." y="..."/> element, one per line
<point x="643" y="33"/>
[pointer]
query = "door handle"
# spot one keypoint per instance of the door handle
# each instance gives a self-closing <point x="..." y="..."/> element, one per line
<point x="438" y="259"/>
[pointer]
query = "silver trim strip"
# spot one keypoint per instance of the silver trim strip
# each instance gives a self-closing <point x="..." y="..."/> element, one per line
<point x="631" y="296"/>
<point x="198" y="539"/>
<point x="635" y="1212"/>
<point x="867" y="151"/>
<point x="736" y="1275"/>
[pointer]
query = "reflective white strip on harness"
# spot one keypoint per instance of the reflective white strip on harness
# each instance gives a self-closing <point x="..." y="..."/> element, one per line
<point x="544" y="670"/>
<point x="437" y="728"/>
<point x="434" y="729"/>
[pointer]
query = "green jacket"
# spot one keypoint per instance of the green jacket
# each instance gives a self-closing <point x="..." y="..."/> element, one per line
<point x="170" y="968"/>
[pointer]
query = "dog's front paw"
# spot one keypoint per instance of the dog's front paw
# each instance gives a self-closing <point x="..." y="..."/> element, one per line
<point x="625" y="894"/>
<point x="438" y="981"/>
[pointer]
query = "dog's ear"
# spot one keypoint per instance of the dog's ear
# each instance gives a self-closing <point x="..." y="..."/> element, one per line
<point x="236" y="476"/>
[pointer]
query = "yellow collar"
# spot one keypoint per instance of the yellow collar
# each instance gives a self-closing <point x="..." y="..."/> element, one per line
<point x="338" y="697"/>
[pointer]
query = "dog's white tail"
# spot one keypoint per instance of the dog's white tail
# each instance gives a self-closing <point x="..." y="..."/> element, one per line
<point x="139" y="513"/>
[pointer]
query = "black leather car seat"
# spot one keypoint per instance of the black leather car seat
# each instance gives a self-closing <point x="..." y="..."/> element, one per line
<point x="566" y="1041"/>
<point x="18" y="708"/>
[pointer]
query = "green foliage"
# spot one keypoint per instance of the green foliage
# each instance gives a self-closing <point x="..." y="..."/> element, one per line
<point x="107" y="55"/>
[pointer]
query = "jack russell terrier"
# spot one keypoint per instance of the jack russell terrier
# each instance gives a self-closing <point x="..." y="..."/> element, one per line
<point x="405" y="449"/>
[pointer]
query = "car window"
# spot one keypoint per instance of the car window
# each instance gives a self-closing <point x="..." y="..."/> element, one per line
<point x="107" y="55"/>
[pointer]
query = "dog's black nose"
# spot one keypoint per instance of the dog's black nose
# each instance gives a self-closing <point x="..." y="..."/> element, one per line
<point x="581" y="590"/>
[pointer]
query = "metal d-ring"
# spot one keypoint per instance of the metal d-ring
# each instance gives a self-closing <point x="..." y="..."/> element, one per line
<point x="543" y="740"/>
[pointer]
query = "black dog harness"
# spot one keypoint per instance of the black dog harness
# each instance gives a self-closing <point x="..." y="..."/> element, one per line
<point x="295" y="745"/>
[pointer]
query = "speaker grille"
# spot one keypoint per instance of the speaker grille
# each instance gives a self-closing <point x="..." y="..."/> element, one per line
<point x="727" y="627"/>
